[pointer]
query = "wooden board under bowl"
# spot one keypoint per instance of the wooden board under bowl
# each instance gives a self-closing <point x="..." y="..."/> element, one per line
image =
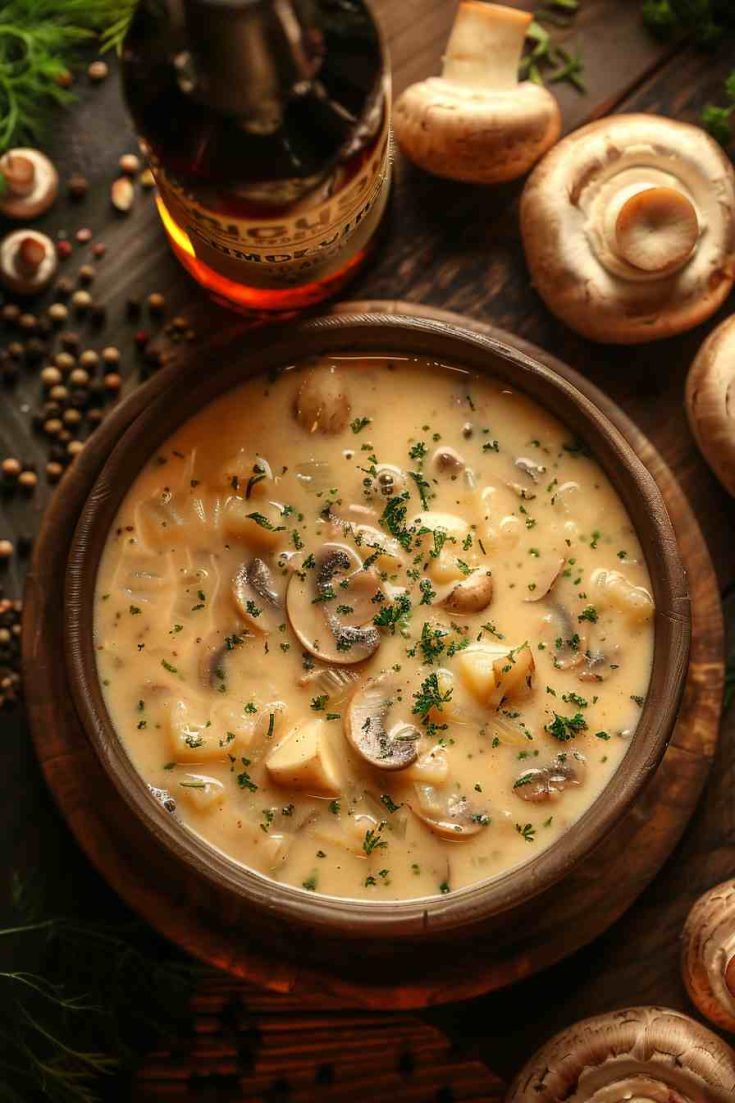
<point x="560" y="921"/>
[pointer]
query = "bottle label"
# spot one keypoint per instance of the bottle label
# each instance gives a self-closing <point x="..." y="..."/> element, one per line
<point x="315" y="240"/>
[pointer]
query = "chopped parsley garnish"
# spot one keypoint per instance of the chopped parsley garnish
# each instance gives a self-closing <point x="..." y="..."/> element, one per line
<point x="394" y="614"/>
<point x="527" y="831"/>
<point x="169" y="667"/>
<point x="318" y="704"/>
<point x="394" y="519"/>
<point x="373" y="839"/>
<point x="359" y="424"/>
<point x="589" y="613"/>
<point x="565" y="728"/>
<point x="134" y="610"/>
<point x="389" y="802"/>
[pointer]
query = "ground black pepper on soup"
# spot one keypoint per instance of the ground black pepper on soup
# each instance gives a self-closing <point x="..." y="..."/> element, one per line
<point x="377" y="627"/>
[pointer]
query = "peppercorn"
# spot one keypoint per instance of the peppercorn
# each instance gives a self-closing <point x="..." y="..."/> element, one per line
<point x="64" y="361"/>
<point x="83" y="235"/>
<point x="113" y="382"/>
<point x="11" y="314"/>
<point x="77" y="186"/>
<point x="50" y="409"/>
<point x="58" y="313"/>
<point x="64" y="437"/>
<point x="129" y="164"/>
<point x="54" y="471"/>
<point x="27" y="480"/>
<point x="110" y="355"/>
<point x="52" y="427"/>
<point x="6" y="549"/>
<point x="89" y="359"/>
<point x="63" y="249"/>
<point x="58" y="393"/>
<point x="64" y="288"/>
<point x="99" y="249"/>
<point x="79" y="377"/>
<point x="36" y="350"/>
<point x="86" y="274"/>
<point x="95" y="416"/>
<point x="70" y="341"/>
<point x="11" y="467"/>
<point x="71" y="417"/>
<point x="28" y="322"/>
<point x="81" y="301"/>
<point x="51" y="376"/>
<point x="97" y="71"/>
<point x="74" y="447"/>
<point x="156" y="303"/>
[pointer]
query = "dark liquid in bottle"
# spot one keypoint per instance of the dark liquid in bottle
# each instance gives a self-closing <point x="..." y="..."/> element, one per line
<point x="266" y="123"/>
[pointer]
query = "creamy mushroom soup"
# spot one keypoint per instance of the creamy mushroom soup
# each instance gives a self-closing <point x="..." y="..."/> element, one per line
<point x="376" y="627"/>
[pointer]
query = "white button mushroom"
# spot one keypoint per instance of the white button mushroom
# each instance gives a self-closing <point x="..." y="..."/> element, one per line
<point x="28" y="261"/>
<point x="628" y="227"/>
<point x="31" y="183"/>
<point x="710" y="401"/>
<point x="476" y="122"/>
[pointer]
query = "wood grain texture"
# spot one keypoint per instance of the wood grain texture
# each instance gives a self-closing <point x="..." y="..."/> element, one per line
<point x="454" y="247"/>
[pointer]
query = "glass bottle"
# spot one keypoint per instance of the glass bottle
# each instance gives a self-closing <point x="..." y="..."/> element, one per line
<point x="266" y="124"/>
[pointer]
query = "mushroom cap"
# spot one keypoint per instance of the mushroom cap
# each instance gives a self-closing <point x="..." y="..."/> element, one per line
<point x="608" y="221"/>
<point x="387" y="747"/>
<point x="480" y="136"/>
<point x="38" y="198"/>
<point x="470" y="595"/>
<point x="322" y="404"/>
<point x="447" y="813"/>
<point x="255" y="596"/>
<point x="708" y="954"/>
<point x="642" y="1053"/>
<point x="710" y="401"/>
<point x="14" y="275"/>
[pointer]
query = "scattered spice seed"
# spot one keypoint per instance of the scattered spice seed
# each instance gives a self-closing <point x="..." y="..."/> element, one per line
<point x="64" y="361"/>
<point x="147" y="179"/>
<point x="83" y="235"/>
<point x="89" y="359"/>
<point x="54" y="471"/>
<point x="64" y="288"/>
<point x="122" y="194"/>
<point x="11" y="313"/>
<point x="86" y="274"/>
<point x="99" y="249"/>
<point x="74" y="447"/>
<point x="97" y="71"/>
<point x="77" y="186"/>
<point x="113" y="382"/>
<point x="81" y="301"/>
<point x="156" y="303"/>
<point x="110" y="355"/>
<point x="51" y="376"/>
<point x="7" y="549"/>
<point x="142" y="338"/>
<point x="70" y="341"/>
<point x="28" y="322"/>
<point x="63" y="250"/>
<point x="27" y="480"/>
<point x="58" y="313"/>
<point x="79" y="377"/>
<point x="129" y="164"/>
<point x="11" y="468"/>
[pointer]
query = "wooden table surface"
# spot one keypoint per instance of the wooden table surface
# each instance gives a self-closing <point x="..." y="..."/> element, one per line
<point x="457" y="247"/>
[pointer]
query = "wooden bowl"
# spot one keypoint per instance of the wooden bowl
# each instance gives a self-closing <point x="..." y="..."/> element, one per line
<point x="360" y="940"/>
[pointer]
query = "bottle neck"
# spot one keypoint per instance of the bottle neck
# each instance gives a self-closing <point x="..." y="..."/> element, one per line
<point x="247" y="57"/>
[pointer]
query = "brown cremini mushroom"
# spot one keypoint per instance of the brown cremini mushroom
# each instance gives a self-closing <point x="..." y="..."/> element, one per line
<point x="31" y="183"/>
<point x="710" y="401"/>
<point x="386" y="746"/>
<point x="322" y="403"/>
<point x="708" y="955"/>
<point x="629" y="228"/>
<point x="544" y="783"/>
<point x="28" y="262"/>
<point x="640" y="1054"/>
<point x="477" y="122"/>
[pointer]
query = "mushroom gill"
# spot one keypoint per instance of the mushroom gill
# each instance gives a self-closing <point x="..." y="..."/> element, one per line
<point x="447" y="813"/>
<point x="708" y="955"/>
<point x="641" y="1054"/>
<point x="255" y="596"/>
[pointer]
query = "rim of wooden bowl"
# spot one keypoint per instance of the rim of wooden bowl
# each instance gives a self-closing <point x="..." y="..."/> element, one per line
<point x="385" y="334"/>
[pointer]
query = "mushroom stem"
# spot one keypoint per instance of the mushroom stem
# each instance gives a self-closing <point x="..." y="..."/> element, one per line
<point x="485" y="45"/>
<point x="656" y="229"/>
<point x="19" y="173"/>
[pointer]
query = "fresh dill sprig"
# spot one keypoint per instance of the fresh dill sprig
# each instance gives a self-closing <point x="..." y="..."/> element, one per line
<point x="39" y="46"/>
